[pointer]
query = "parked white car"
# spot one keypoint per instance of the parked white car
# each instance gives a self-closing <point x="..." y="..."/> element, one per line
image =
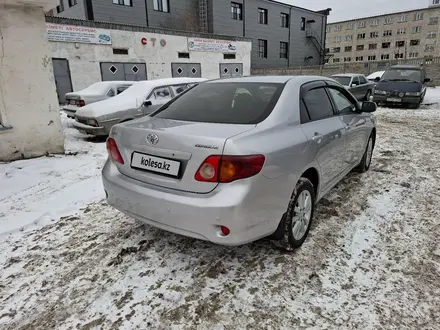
<point x="372" y="77"/>
<point x="139" y="100"/>
<point x="96" y="92"/>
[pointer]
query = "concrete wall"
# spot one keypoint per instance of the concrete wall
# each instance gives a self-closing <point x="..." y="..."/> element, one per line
<point x="85" y="59"/>
<point x="28" y="101"/>
<point x="432" y="67"/>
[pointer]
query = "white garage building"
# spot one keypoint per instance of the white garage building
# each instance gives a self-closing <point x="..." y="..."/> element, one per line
<point x="84" y="52"/>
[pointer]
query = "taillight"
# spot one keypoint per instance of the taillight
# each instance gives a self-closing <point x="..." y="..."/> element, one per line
<point x="225" y="169"/>
<point x="113" y="151"/>
<point x="80" y="103"/>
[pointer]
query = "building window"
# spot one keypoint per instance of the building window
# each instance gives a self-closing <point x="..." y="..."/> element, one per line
<point x="337" y="50"/>
<point x="338" y="38"/>
<point x="372" y="58"/>
<point x="360" y="47"/>
<point x="413" y="55"/>
<point x="387" y="33"/>
<point x="415" y="42"/>
<point x="262" y="16"/>
<point x="375" y="22"/>
<point x="347" y="59"/>
<point x="160" y="5"/>
<point x="336" y="60"/>
<point x="418" y="16"/>
<point x="401" y="31"/>
<point x="359" y="58"/>
<point x="338" y="27"/>
<point x="433" y="21"/>
<point x="184" y="55"/>
<point x="348" y="48"/>
<point x="386" y="44"/>
<point x="374" y="34"/>
<point x="362" y="24"/>
<point x="262" y="48"/>
<point x="397" y="56"/>
<point x="349" y="38"/>
<point x="436" y="2"/>
<point x="400" y="44"/>
<point x="284" y="49"/>
<point x="361" y="36"/>
<point x="60" y="7"/>
<point x="128" y="2"/>
<point x="236" y="11"/>
<point x="429" y="48"/>
<point x="120" y="51"/>
<point x="388" y="20"/>
<point x="350" y="26"/>
<point x="403" y="18"/>
<point x="431" y="35"/>
<point x="372" y="46"/>
<point x="303" y="23"/>
<point x="285" y="21"/>
<point x="329" y="28"/>
<point x="73" y="3"/>
<point x="416" y="29"/>
<point x="385" y="57"/>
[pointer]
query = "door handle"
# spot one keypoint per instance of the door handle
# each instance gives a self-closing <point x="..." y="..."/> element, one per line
<point x="317" y="138"/>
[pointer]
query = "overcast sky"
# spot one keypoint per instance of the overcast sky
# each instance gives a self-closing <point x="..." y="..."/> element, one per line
<point x="348" y="9"/>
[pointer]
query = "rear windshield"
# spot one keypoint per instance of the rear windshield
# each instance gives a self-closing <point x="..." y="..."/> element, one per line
<point x="344" y="81"/>
<point x="226" y="103"/>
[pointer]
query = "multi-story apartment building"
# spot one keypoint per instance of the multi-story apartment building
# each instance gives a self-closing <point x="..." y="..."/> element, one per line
<point x="400" y="35"/>
<point x="282" y="35"/>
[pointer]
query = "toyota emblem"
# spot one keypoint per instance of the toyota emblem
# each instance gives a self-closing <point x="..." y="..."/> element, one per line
<point x="152" y="139"/>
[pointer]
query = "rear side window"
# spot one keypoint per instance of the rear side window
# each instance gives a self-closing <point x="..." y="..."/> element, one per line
<point x="227" y="103"/>
<point x="317" y="104"/>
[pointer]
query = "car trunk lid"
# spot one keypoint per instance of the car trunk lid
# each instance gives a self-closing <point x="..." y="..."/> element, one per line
<point x="168" y="153"/>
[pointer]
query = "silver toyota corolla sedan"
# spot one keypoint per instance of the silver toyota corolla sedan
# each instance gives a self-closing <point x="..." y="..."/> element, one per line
<point x="235" y="160"/>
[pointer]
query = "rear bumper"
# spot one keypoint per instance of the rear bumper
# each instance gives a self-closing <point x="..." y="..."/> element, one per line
<point x="404" y="100"/>
<point x="91" y="130"/>
<point x="195" y="215"/>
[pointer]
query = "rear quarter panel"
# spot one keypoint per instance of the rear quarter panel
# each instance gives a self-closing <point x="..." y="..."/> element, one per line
<point x="286" y="148"/>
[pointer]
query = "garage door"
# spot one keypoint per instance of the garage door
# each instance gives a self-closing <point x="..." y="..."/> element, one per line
<point x="61" y="72"/>
<point x="193" y="70"/>
<point x="228" y="70"/>
<point x="123" y="71"/>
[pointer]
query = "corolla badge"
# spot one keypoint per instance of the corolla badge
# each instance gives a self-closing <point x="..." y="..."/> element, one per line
<point x="152" y="139"/>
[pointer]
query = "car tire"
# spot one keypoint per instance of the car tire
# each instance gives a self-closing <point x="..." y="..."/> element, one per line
<point x="367" y="97"/>
<point x="365" y="163"/>
<point x="297" y="220"/>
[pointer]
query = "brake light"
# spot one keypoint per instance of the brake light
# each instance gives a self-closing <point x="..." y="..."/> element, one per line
<point x="225" y="169"/>
<point x="80" y="103"/>
<point x="113" y="151"/>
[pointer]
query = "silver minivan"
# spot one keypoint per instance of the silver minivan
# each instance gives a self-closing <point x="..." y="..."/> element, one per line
<point x="235" y="160"/>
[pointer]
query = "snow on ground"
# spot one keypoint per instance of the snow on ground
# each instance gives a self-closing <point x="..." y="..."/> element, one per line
<point x="371" y="261"/>
<point x="34" y="192"/>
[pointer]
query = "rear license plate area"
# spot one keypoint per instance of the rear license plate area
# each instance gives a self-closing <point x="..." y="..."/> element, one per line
<point x="154" y="164"/>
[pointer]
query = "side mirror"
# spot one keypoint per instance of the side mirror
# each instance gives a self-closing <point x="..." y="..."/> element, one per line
<point x="377" y="79"/>
<point x="353" y="85"/>
<point x="427" y="80"/>
<point x="147" y="104"/>
<point x="368" y="106"/>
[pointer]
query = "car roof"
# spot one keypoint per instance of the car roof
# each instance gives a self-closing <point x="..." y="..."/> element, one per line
<point x="347" y="75"/>
<point x="169" y="81"/>
<point x="270" y="79"/>
<point x="402" y="66"/>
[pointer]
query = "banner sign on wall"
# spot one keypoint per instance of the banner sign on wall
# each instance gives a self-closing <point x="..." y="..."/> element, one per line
<point x="211" y="45"/>
<point x="79" y="34"/>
